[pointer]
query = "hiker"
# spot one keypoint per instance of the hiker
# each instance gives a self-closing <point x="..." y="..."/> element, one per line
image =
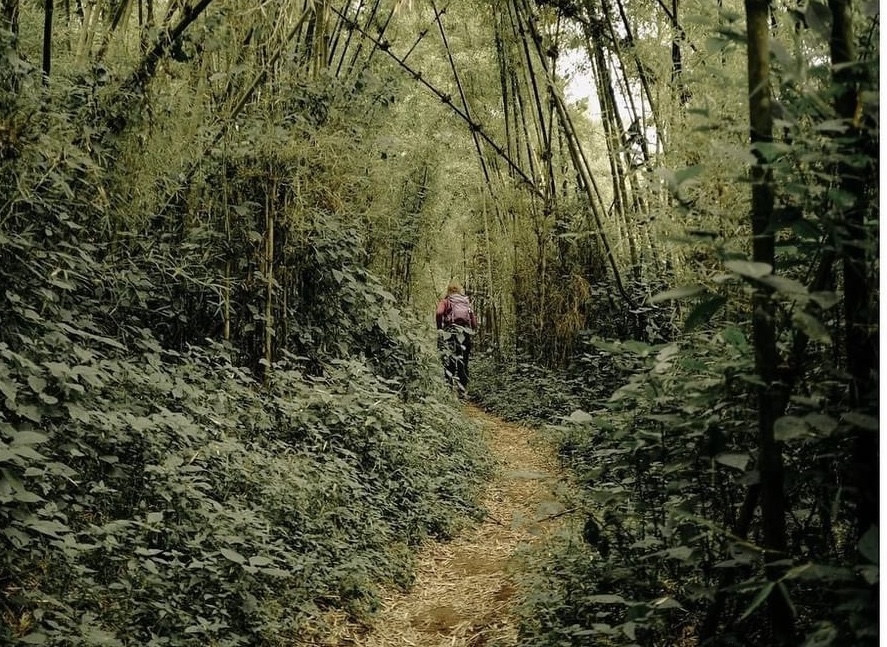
<point x="456" y="323"/>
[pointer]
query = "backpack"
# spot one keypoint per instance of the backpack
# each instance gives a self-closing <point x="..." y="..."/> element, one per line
<point x="458" y="311"/>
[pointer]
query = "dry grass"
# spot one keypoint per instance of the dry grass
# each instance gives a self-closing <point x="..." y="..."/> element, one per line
<point x="463" y="592"/>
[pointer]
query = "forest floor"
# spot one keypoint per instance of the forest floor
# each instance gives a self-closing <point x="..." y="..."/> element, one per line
<point x="465" y="589"/>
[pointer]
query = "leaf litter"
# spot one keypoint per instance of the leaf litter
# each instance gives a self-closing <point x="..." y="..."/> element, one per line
<point x="465" y="589"/>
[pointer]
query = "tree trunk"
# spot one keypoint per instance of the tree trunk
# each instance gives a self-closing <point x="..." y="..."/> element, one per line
<point x="9" y="13"/>
<point x="770" y="460"/>
<point x="48" y="6"/>
<point x="580" y="163"/>
<point x="861" y="341"/>
<point x="643" y="75"/>
<point x="269" y="282"/>
<point x="146" y="68"/>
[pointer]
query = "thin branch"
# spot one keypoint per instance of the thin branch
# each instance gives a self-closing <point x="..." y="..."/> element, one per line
<point x="243" y="99"/>
<point x="146" y="69"/>
<point x="580" y="162"/>
<point x="447" y="100"/>
<point x="474" y="135"/>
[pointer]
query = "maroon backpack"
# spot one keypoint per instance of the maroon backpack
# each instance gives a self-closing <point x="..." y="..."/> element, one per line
<point x="458" y="310"/>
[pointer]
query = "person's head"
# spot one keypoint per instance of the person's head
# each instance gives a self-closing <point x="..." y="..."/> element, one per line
<point x="454" y="288"/>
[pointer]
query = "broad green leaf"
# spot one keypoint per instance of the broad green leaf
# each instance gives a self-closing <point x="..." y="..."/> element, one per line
<point x="820" y="573"/>
<point x="861" y="420"/>
<point x="678" y="293"/>
<point x="233" y="555"/>
<point x="628" y="629"/>
<point x="784" y="285"/>
<point x="580" y="416"/>
<point x="812" y="327"/>
<point x="37" y="383"/>
<point x="832" y="126"/>
<point x="870" y="573"/>
<point x="680" y="553"/>
<point x="606" y="599"/>
<point x="46" y="527"/>
<point x="665" y="603"/>
<point x="822" y="423"/>
<point x="29" y="411"/>
<point x="749" y="269"/>
<point x="803" y="228"/>
<point x="28" y="438"/>
<point x="703" y="312"/>
<point x="790" y="427"/>
<point x="868" y="545"/>
<point x="736" y="461"/>
<point x="275" y="572"/>
<point x="735" y="338"/>
<point x="771" y="150"/>
<point x="26" y="451"/>
<point x="16" y="537"/>
<point x="8" y="389"/>
<point x="762" y="595"/>
<point x="667" y="353"/>
<point x="259" y="560"/>
<point x="825" y="300"/>
<point x="824" y="636"/>
<point x="154" y="517"/>
<point x="27" y="497"/>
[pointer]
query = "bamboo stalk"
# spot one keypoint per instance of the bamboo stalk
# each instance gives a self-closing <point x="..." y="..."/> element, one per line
<point x="462" y="96"/>
<point x="644" y="79"/>
<point x="447" y="100"/>
<point x="350" y="26"/>
<point x="269" y="283"/>
<point x="334" y="38"/>
<point x="580" y="162"/>
<point x="359" y="48"/>
<point x="47" y="39"/>
<point x="148" y="66"/>
<point x="120" y="14"/>
<point x="613" y="136"/>
<point x="773" y="504"/>
<point x="861" y="343"/>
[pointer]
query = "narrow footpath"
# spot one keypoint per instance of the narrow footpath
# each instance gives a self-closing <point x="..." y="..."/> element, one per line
<point x="464" y="593"/>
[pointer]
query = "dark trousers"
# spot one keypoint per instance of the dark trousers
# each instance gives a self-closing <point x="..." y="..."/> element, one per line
<point x="455" y="344"/>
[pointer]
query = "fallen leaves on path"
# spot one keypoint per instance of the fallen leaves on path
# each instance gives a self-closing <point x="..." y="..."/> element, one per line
<point x="463" y="593"/>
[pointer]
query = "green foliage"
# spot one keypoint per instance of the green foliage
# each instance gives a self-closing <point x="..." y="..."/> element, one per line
<point x="152" y="492"/>
<point x="666" y="464"/>
<point x="152" y="496"/>
<point x="527" y="392"/>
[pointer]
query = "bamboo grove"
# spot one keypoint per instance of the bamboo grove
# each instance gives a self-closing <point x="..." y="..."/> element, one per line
<point x="680" y="196"/>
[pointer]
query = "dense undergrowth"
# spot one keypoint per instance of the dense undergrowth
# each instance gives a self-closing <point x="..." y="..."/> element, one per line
<point x="160" y="497"/>
<point x="526" y="391"/>
<point x="162" y="483"/>
<point x="659" y="439"/>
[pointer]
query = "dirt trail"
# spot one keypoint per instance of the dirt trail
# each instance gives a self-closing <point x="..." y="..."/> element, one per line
<point x="462" y="596"/>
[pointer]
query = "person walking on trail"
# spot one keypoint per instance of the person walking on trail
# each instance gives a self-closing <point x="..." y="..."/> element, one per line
<point x="456" y="322"/>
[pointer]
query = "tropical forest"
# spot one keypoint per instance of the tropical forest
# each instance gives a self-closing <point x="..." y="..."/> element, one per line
<point x="439" y="323"/>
